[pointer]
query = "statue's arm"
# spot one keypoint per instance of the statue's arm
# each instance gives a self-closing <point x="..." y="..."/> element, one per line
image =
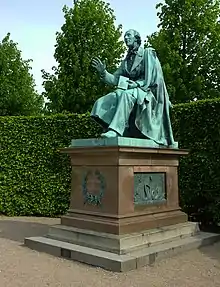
<point x="112" y="79"/>
<point x="108" y="78"/>
<point x="141" y="83"/>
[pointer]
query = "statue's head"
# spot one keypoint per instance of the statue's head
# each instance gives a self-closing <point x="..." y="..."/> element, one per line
<point x="132" y="38"/>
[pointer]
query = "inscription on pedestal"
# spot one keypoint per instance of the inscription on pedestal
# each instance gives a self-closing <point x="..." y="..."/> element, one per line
<point x="149" y="188"/>
<point x="93" y="187"/>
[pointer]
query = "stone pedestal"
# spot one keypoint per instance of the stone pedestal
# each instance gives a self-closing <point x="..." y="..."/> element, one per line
<point x="123" y="189"/>
<point x="124" y="206"/>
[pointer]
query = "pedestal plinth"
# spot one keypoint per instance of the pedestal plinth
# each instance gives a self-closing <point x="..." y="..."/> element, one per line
<point x="123" y="189"/>
<point x="124" y="209"/>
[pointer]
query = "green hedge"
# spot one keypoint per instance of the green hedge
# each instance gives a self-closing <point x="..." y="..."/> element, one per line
<point x="35" y="177"/>
<point x="197" y="127"/>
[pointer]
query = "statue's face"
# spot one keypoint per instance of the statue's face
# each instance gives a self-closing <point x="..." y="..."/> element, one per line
<point x="129" y="38"/>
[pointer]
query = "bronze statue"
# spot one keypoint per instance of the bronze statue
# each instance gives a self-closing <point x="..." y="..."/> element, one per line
<point x="139" y="106"/>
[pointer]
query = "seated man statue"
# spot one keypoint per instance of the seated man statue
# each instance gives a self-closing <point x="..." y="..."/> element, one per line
<point x="141" y="102"/>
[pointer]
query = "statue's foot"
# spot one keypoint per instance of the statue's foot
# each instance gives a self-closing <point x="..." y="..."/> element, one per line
<point x="110" y="134"/>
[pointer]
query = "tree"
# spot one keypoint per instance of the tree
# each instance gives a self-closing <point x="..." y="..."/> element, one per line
<point x="188" y="45"/>
<point x="89" y="31"/>
<point x="17" y="87"/>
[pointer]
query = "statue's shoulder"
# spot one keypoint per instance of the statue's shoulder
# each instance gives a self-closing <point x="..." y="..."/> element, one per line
<point x="149" y="48"/>
<point x="150" y="51"/>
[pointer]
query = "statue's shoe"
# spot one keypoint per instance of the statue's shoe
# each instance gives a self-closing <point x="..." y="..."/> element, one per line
<point x="109" y="134"/>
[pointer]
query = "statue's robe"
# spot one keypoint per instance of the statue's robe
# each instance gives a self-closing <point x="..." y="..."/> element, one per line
<point x="149" y="100"/>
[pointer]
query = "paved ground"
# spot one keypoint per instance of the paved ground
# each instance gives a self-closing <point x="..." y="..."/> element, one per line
<point x="20" y="266"/>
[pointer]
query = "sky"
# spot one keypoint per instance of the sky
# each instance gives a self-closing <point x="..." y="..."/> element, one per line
<point x="33" y="25"/>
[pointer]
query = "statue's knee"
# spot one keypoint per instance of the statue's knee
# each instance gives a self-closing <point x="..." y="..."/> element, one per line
<point x="126" y="95"/>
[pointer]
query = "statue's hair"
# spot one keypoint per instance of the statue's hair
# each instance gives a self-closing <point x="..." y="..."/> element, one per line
<point x="137" y="36"/>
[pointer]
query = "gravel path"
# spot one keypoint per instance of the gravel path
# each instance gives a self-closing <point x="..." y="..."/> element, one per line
<point x="20" y="266"/>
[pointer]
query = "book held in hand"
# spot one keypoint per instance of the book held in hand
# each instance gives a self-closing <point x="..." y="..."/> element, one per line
<point x="123" y="83"/>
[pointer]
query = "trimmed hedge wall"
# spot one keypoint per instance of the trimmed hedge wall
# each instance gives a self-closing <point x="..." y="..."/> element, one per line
<point x="197" y="127"/>
<point x="35" y="177"/>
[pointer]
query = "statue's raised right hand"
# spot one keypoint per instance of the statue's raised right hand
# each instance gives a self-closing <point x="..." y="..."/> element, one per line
<point x="98" y="65"/>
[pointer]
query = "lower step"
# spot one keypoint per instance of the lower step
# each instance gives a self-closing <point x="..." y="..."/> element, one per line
<point x="115" y="262"/>
<point x="126" y="243"/>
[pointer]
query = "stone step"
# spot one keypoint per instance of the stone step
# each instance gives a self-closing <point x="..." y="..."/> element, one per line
<point x="116" y="262"/>
<point x="122" y="244"/>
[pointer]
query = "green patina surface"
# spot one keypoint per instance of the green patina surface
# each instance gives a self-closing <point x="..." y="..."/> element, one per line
<point x="93" y="187"/>
<point x="118" y="141"/>
<point x="149" y="188"/>
<point x="139" y="106"/>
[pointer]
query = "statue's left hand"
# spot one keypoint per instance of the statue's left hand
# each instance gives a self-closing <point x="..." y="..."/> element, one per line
<point x="98" y="65"/>
<point x="132" y="84"/>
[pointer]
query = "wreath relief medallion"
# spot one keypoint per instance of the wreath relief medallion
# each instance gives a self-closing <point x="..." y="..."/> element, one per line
<point x="93" y="187"/>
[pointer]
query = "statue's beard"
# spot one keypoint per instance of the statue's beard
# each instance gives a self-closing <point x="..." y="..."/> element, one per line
<point x="133" y="47"/>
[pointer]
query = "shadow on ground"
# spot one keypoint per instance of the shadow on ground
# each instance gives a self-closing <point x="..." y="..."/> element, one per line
<point x="17" y="229"/>
<point x="212" y="251"/>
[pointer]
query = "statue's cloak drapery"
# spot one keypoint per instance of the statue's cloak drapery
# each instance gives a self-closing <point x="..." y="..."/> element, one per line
<point x="152" y="115"/>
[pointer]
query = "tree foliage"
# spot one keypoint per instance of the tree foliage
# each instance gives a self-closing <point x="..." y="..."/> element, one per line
<point x="17" y="87"/>
<point x="89" y="31"/>
<point x="188" y="45"/>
